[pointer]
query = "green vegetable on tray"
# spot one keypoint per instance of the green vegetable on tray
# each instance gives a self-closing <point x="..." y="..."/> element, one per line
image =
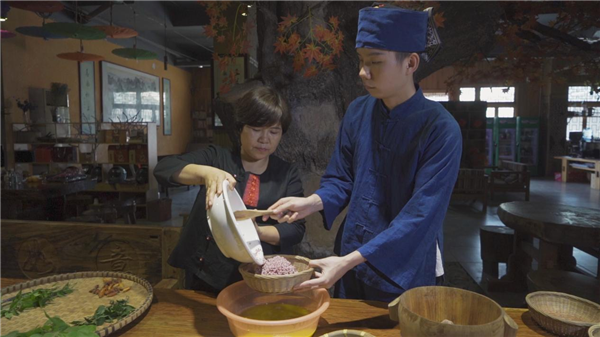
<point x="56" y="327"/>
<point x="116" y="311"/>
<point x="38" y="298"/>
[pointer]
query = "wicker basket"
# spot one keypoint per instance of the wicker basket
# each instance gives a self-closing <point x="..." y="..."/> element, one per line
<point x="80" y="303"/>
<point x="563" y="314"/>
<point x="594" y="331"/>
<point x="277" y="283"/>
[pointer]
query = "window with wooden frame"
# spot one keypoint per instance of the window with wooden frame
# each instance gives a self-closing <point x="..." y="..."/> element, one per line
<point x="500" y="100"/>
<point x="584" y="110"/>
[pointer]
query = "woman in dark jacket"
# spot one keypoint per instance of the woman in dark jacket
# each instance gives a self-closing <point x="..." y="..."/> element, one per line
<point x="260" y="178"/>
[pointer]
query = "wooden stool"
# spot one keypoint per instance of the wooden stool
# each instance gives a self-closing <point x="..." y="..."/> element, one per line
<point x="80" y="202"/>
<point x="496" y="246"/>
<point x="565" y="282"/>
<point x="108" y="215"/>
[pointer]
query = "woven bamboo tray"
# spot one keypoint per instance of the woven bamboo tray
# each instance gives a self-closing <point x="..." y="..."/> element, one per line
<point x="277" y="283"/>
<point x="563" y="314"/>
<point x="80" y="303"/>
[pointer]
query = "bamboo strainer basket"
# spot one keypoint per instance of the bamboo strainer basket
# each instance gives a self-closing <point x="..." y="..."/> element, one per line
<point x="80" y="303"/>
<point x="277" y="283"/>
<point x="347" y="333"/>
<point x="563" y="314"/>
<point x="594" y="331"/>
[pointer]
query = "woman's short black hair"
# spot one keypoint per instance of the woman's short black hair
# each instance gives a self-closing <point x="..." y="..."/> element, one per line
<point x="262" y="106"/>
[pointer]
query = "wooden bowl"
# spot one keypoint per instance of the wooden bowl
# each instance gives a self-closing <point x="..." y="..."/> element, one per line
<point x="421" y="311"/>
<point x="594" y="331"/>
<point x="563" y="314"/>
<point x="277" y="283"/>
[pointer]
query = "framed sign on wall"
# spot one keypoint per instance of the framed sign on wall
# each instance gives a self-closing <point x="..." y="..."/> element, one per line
<point x="87" y="92"/>
<point x="129" y="95"/>
<point x="166" y="106"/>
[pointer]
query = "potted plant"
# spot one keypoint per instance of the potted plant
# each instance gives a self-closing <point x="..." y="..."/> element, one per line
<point x="26" y="134"/>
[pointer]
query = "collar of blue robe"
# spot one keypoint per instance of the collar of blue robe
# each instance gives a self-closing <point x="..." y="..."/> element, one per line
<point x="392" y="28"/>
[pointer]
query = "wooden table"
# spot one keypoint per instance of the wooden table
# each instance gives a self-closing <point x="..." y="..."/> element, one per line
<point x="52" y="195"/>
<point x="185" y="313"/>
<point x="565" y="167"/>
<point x="558" y="227"/>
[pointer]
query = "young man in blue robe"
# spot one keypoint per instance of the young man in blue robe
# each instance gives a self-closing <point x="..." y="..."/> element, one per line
<point x="395" y="163"/>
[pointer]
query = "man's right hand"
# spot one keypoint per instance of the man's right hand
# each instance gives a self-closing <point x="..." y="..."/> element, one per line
<point x="291" y="209"/>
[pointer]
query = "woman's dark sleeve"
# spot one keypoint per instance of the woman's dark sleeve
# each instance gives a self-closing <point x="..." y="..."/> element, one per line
<point x="167" y="166"/>
<point x="292" y="234"/>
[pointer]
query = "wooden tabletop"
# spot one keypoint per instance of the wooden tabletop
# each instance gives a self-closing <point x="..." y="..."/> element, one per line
<point x="556" y="223"/>
<point x="189" y="313"/>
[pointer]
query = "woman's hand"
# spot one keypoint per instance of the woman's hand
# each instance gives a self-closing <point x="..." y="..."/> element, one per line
<point x="332" y="269"/>
<point x="213" y="180"/>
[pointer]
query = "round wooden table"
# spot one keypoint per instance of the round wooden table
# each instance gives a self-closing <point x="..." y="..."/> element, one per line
<point x="558" y="227"/>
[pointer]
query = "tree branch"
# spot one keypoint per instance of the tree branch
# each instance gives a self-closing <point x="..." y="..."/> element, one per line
<point x="564" y="37"/>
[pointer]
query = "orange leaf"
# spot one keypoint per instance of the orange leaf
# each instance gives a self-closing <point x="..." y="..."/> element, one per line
<point x="288" y="20"/>
<point x="223" y="21"/>
<point x="334" y="22"/>
<point x="221" y="38"/>
<point x="298" y="62"/>
<point x="209" y="31"/>
<point x="311" y="71"/>
<point x="311" y="52"/>
<point x="319" y="32"/>
<point x="293" y="42"/>
<point x="439" y="19"/>
<point x="280" y="45"/>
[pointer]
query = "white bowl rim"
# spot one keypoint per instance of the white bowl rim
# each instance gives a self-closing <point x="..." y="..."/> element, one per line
<point x="236" y="231"/>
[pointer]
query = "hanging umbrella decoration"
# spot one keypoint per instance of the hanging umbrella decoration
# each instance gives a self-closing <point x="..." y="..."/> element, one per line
<point x="76" y="31"/>
<point x="134" y="53"/>
<point x="116" y="32"/>
<point x="80" y="56"/>
<point x="7" y="34"/>
<point x="43" y="9"/>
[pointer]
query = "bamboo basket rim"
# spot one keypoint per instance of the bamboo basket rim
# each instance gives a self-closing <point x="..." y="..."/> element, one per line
<point x="244" y="268"/>
<point x="529" y="300"/>
<point x="593" y="329"/>
<point x="93" y="274"/>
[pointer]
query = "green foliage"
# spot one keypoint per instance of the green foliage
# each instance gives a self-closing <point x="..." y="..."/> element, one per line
<point x="56" y="327"/>
<point x="36" y="299"/>
<point x="116" y="311"/>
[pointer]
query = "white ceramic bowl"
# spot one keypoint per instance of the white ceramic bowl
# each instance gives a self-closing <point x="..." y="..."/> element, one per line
<point x="236" y="239"/>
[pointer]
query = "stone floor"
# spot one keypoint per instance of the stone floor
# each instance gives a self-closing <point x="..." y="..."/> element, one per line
<point x="461" y="227"/>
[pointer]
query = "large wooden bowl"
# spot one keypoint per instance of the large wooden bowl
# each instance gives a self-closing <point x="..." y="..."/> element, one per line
<point x="421" y="311"/>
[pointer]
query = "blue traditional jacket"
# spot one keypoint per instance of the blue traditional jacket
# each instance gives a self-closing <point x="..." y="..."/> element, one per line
<point x="395" y="170"/>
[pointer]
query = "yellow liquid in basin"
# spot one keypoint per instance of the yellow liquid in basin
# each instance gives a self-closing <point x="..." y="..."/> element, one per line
<point x="275" y="312"/>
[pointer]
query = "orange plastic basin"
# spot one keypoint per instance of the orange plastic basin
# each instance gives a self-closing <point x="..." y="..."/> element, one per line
<point x="238" y="297"/>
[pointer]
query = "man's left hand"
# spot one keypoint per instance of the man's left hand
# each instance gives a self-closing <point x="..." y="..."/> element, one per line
<point x="332" y="269"/>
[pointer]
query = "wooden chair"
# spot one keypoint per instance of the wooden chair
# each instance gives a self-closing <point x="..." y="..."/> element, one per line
<point x="471" y="184"/>
<point x="509" y="176"/>
<point x="496" y="246"/>
<point x="35" y="249"/>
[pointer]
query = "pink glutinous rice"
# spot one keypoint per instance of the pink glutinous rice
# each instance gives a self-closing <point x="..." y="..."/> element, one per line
<point x="276" y="265"/>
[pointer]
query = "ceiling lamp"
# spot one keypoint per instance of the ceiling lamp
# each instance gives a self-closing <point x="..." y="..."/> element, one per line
<point x="7" y="34"/>
<point x="80" y="56"/>
<point x="38" y="6"/>
<point x="116" y="32"/>
<point x="38" y="31"/>
<point x="74" y="31"/>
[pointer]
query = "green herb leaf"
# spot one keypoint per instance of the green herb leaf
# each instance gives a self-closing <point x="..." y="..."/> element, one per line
<point x="116" y="311"/>
<point x="38" y="298"/>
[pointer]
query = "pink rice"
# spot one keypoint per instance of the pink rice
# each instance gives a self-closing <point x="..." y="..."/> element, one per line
<point x="276" y="265"/>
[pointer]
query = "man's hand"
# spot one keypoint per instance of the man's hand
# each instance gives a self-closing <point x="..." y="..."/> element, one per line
<point x="291" y="209"/>
<point x="332" y="269"/>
